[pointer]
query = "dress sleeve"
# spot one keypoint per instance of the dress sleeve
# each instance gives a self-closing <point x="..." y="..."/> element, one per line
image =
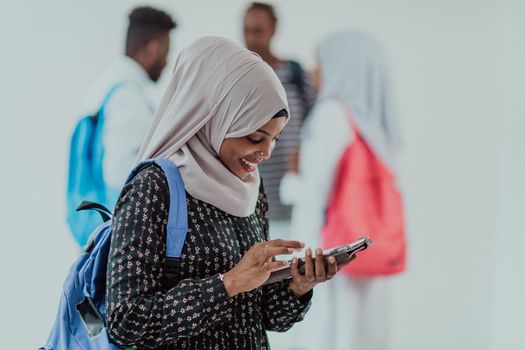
<point x="141" y="313"/>
<point x="281" y="308"/>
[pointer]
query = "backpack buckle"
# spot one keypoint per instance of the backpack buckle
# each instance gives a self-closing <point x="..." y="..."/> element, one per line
<point x="91" y="317"/>
<point x="171" y="271"/>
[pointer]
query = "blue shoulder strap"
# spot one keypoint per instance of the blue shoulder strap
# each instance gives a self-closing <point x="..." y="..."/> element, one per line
<point x="108" y="96"/>
<point x="178" y="212"/>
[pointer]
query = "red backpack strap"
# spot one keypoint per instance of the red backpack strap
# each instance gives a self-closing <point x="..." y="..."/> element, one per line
<point x="348" y="112"/>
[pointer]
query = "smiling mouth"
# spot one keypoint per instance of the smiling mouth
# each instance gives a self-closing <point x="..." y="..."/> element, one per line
<point x="249" y="166"/>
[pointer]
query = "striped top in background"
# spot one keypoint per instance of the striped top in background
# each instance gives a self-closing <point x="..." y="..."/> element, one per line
<point x="301" y="97"/>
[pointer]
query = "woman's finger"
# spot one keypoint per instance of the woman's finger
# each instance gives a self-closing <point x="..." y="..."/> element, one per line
<point x="332" y="268"/>
<point x="309" y="265"/>
<point x="285" y="243"/>
<point x="275" y="265"/>
<point x="273" y="251"/>
<point x="320" y="273"/>
<point x="294" y="269"/>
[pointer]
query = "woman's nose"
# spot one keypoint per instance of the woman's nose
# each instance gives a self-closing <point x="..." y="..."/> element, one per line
<point x="266" y="152"/>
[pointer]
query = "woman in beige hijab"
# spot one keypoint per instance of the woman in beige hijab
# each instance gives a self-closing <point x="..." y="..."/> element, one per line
<point x="220" y="117"/>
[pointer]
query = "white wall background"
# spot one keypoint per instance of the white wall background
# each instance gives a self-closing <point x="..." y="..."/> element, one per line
<point x="457" y="74"/>
<point x="509" y="286"/>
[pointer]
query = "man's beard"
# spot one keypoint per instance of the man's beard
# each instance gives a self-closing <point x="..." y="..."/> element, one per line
<point x="155" y="71"/>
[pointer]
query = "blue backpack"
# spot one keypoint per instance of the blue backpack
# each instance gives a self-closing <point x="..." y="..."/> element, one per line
<point x="80" y="322"/>
<point x="85" y="177"/>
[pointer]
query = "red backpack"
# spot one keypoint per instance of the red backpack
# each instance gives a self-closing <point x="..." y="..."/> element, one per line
<point x="365" y="201"/>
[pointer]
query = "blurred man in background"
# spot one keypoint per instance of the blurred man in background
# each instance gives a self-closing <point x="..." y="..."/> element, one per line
<point x="128" y="111"/>
<point x="260" y="24"/>
<point x="118" y="112"/>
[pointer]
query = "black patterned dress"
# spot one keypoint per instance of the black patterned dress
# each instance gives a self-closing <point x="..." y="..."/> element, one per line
<point x="196" y="313"/>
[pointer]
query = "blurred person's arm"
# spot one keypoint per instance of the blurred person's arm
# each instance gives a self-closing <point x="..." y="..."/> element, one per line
<point x="304" y="83"/>
<point x="310" y="92"/>
<point x="327" y="134"/>
<point x="128" y="114"/>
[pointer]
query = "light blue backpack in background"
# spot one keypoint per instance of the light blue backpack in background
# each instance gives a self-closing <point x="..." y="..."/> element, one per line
<point x="85" y="177"/>
<point x="80" y="322"/>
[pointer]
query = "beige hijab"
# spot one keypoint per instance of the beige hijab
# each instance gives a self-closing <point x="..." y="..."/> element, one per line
<point x="218" y="91"/>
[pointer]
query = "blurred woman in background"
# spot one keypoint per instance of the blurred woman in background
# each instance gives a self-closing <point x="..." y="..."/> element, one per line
<point x="343" y="185"/>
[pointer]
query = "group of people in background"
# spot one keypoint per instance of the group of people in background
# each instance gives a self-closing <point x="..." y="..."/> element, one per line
<point x="345" y="98"/>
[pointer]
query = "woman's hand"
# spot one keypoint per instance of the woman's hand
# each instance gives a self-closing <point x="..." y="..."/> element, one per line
<point x="315" y="272"/>
<point x="256" y="265"/>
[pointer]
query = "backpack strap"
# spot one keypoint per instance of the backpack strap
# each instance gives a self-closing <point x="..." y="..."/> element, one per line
<point x="110" y="93"/>
<point x="353" y="126"/>
<point x="104" y="212"/>
<point x="178" y="212"/>
<point x="177" y="216"/>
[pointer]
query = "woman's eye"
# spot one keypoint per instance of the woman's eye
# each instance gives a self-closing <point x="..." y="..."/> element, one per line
<point x="254" y="141"/>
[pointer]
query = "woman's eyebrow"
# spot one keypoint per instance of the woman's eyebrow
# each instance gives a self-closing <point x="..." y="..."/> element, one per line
<point x="264" y="132"/>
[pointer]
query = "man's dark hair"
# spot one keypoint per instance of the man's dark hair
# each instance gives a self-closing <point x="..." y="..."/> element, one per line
<point x="264" y="7"/>
<point x="146" y="24"/>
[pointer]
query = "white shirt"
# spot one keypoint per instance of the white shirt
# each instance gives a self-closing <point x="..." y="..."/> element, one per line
<point x="128" y="114"/>
<point x="325" y="137"/>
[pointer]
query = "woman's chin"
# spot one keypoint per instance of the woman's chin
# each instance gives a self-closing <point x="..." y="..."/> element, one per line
<point x="245" y="175"/>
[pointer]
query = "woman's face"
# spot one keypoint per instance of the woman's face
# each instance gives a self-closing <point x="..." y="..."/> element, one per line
<point x="241" y="155"/>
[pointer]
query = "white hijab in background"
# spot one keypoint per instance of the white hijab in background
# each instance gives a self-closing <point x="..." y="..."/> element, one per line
<point x="353" y="69"/>
<point x="218" y="90"/>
